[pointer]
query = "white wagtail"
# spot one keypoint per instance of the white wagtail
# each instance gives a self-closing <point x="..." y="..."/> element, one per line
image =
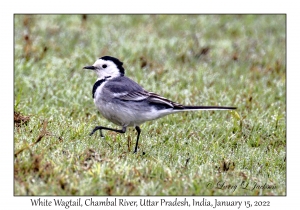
<point x="125" y="103"/>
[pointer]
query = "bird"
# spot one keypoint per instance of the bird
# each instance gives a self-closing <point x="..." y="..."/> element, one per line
<point x="125" y="103"/>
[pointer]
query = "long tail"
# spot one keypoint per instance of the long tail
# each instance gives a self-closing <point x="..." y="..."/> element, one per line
<point x="210" y="107"/>
<point x="160" y="101"/>
<point x="195" y="108"/>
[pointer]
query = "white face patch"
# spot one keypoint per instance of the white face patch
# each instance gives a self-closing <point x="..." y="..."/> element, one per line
<point x="106" y="68"/>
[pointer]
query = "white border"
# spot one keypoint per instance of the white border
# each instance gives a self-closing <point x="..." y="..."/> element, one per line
<point x="10" y="202"/>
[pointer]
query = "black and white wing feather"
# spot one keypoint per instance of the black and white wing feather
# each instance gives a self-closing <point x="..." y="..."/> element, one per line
<point x="125" y="89"/>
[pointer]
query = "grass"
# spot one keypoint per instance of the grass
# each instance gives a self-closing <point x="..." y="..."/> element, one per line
<point x="233" y="60"/>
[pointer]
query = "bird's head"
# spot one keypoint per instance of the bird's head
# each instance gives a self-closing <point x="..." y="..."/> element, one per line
<point x="107" y="66"/>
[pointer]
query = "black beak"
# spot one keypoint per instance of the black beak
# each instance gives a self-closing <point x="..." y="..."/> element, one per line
<point x="89" y="67"/>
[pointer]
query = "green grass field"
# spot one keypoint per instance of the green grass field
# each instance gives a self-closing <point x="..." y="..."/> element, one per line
<point x="229" y="60"/>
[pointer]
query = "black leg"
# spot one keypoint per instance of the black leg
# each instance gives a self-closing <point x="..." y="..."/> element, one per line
<point x="105" y="128"/>
<point x="138" y="129"/>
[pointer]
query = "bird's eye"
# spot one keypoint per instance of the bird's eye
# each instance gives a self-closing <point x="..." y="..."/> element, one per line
<point x="104" y="66"/>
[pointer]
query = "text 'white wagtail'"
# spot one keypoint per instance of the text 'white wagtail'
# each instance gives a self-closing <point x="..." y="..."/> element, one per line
<point x="125" y="103"/>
